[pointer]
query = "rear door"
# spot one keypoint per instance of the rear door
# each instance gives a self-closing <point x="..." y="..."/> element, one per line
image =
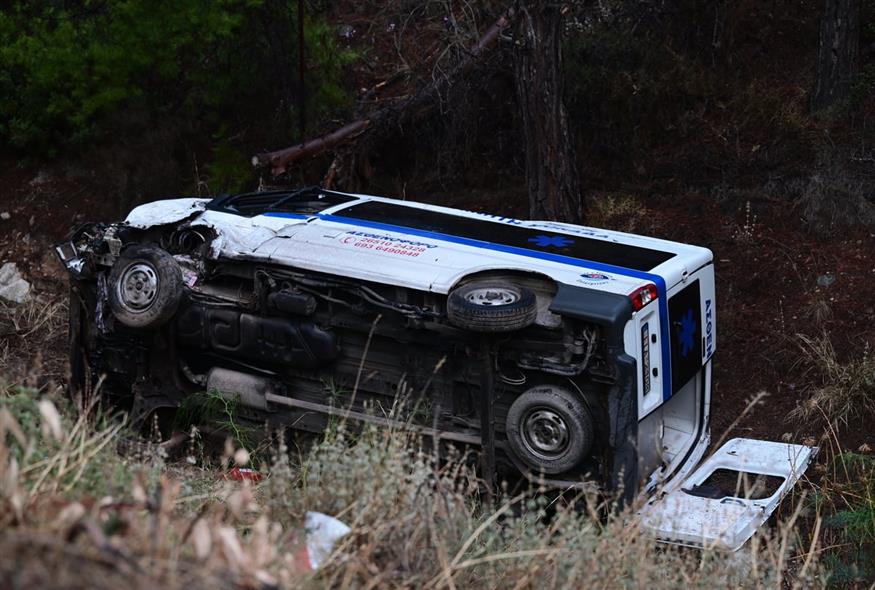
<point x="668" y="364"/>
<point x="725" y="500"/>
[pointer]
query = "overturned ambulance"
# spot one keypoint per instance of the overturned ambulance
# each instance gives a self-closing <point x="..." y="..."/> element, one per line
<point x="573" y="356"/>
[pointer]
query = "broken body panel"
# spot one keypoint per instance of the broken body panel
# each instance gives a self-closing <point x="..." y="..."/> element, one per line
<point x="574" y="355"/>
<point x="724" y="502"/>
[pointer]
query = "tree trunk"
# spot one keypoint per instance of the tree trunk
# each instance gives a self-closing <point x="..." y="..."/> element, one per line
<point x="551" y="167"/>
<point x="388" y="119"/>
<point x="837" y="52"/>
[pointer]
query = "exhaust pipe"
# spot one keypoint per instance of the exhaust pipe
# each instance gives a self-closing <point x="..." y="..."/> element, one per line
<point x="250" y="390"/>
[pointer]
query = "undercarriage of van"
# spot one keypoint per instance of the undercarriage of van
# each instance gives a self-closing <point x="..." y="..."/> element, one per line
<point x="552" y="400"/>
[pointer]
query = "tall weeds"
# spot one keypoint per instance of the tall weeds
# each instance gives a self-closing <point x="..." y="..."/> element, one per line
<point x="849" y="496"/>
<point x="842" y="397"/>
<point x="421" y="523"/>
<point x="416" y="521"/>
<point x="841" y="391"/>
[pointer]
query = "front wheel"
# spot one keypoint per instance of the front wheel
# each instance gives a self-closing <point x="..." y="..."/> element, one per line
<point x="491" y="306"/>
<point x="145" y="287"/>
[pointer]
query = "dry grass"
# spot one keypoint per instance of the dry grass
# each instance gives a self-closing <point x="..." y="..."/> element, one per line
<point x="30" y="335"/>
<point x="67" y="521"/>
<point x="840" y="391"/>
<point x="616" y="211"/>
<point x="75" y="513"/>
<point x="419" y="525"/>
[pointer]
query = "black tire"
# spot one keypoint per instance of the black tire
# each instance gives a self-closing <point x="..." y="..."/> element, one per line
<point x="513" y="307"/>
<point x="145" y="287"/>
<point x="550" y="429"/>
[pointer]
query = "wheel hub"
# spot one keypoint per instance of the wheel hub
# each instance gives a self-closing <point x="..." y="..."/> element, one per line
<point x="138" y="287"/>
<point x="492" y="296"/>
<point x="545" y="433"/>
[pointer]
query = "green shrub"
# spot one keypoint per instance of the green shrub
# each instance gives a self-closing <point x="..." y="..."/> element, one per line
<point x="850" y="528"/>
<point x="67" y="69"/>
<point x="212" y="409"/>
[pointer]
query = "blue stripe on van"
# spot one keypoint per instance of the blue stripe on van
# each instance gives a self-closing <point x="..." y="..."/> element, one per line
<point x="661" y="288"/>
<point x="286" y="215"/>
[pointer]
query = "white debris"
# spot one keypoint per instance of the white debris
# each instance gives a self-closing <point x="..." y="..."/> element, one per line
<point x="5" y="216"/>
<point x="323" y="532"/>
<point x="13" y="287"/>
<point x="42" y="177"/>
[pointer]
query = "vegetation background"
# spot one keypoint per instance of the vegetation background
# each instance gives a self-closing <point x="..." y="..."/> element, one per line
<point x="691" y="120"/>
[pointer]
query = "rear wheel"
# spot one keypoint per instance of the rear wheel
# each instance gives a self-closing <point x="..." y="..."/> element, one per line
<point x="550" y="429"/>
<point x="492" y="306"/>
<point x="145" y="287"/>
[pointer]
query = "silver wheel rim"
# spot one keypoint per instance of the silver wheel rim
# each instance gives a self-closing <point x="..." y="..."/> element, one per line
<point x="492" y="296"/>
<point x="137" y="288"/>
<point x="545" y="433"/>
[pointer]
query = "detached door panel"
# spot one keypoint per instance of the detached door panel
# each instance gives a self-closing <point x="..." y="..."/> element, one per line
<point x="725" y="500"/>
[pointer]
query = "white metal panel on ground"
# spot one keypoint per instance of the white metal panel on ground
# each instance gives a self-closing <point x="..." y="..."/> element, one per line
<point x="695" y="514"/>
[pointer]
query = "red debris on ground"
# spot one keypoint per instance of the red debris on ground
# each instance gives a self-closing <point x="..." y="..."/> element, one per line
<point x="244" y="474"/>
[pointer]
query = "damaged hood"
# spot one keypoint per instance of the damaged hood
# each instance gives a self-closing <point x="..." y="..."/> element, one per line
<point x="165" y="212"/>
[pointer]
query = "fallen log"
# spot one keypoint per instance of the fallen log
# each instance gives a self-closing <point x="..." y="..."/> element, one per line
<point x="279" y="160"/>
<point x="422" y="102"/>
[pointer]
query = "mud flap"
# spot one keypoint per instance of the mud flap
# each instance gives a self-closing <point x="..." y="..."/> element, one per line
<point x="725" y="500"/>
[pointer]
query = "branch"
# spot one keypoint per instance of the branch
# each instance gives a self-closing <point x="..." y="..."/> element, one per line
<point x="414" y="107"/>
<point x="279" y="160"/>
